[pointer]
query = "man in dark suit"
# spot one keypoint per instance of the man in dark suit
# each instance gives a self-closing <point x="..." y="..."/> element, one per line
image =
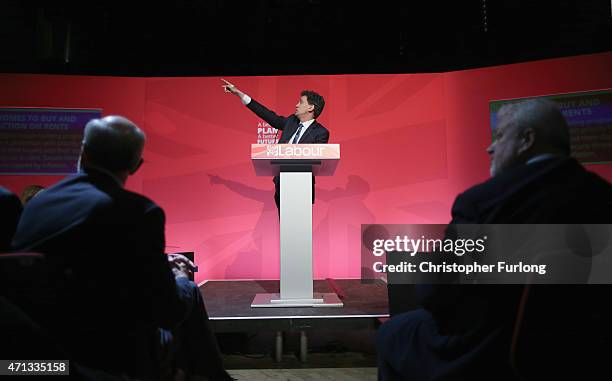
<point x="299" y="128"/>
<point x="11" y="210"/>
<point x="463" y="331"/>
<point x="113" y="286"/>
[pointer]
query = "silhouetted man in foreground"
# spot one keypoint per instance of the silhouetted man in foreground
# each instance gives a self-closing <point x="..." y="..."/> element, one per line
<point x="118" y="302"/>
<point x="463" y="331"/>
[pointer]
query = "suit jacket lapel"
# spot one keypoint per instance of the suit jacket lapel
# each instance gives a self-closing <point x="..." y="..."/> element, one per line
<point x="306" y="133"/>
<point x="292" y="127"/>
<point x="288" y="132"/>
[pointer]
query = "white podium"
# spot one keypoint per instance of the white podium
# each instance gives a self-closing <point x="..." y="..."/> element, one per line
<point x="296" y="164"/>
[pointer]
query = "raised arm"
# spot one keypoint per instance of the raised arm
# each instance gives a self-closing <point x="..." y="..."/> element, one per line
<point x="232" y="89"/>
<point x="260" y="110"/>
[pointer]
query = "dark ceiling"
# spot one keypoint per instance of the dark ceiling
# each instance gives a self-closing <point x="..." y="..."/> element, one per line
<point x="225" y="37"/>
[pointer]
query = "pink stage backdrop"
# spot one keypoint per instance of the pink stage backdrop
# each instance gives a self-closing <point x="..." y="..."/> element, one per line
<point x="409" y="144"/>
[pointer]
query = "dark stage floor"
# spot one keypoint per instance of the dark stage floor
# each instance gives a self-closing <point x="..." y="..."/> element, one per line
<point x="229" y="305"/>
<point x="286" y="329"/>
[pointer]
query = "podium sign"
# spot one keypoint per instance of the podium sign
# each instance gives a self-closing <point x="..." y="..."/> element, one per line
<point x="267" y="158"/>
<point x="296" y="164"/>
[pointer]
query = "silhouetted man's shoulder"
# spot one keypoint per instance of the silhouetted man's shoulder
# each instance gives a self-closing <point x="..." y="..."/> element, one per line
<point x="551" y="191"/>
<point x="91" y="202"/>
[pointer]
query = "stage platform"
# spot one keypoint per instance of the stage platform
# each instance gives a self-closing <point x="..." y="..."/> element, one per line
<point x="228" y="303"/>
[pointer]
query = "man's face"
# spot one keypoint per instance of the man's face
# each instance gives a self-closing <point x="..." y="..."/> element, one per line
<point x="505" y="149"/>
<point x="302" y="107"/>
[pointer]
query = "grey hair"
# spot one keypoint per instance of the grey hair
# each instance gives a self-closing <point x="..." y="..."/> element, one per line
<point x="113" y="143"/>
<point x="544" y="117"/>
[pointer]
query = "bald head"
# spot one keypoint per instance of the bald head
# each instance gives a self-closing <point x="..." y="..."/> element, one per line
<point x="113" y="143"/>
<point x="545" y="118"/>
<point x="527" y="129"/>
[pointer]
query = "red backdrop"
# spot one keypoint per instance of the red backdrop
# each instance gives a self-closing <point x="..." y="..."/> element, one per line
<point x="409" y="144"/>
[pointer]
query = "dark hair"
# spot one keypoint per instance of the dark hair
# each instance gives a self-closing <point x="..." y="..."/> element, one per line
<point x="314" y="99"/>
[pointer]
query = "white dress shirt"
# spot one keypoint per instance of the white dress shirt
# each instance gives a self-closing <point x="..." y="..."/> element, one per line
<point x="306" y="124"/>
